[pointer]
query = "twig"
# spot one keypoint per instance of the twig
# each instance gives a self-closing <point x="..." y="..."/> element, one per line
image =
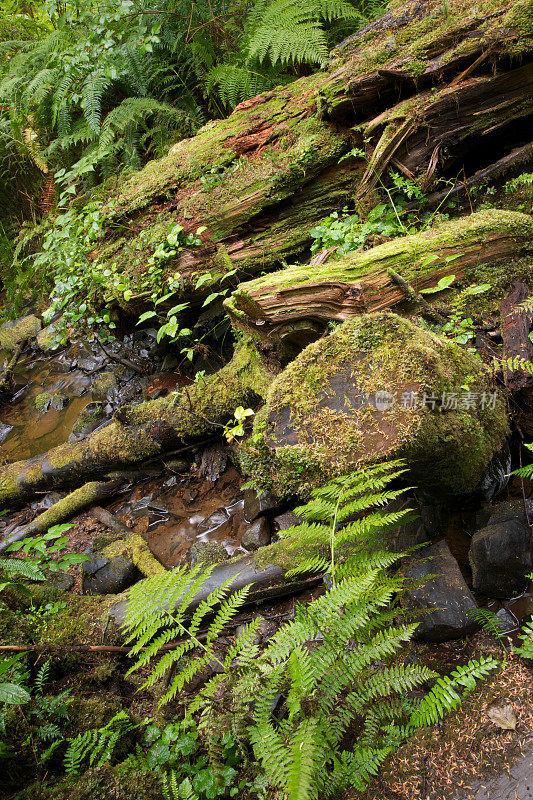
<point x="124" y="361"/>
<point x="416" y="297"/>
<point x="7" y="375"/>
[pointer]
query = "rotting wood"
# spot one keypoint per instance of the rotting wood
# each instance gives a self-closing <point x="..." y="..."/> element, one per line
<point x="6" y="379"/>
<point x="515" y="327"/>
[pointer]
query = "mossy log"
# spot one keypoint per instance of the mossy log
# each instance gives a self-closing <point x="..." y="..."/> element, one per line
<point x="143" y="432"/>
<point x="275" y="305"/>
<point x="433" y="89"/>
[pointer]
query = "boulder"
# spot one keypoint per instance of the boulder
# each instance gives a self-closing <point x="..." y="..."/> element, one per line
<point x="103" y="575"/>
<point x="15" y="331"/>
<point x="500" y="556"/>
<point x="206" y="553"/>
<point x="257" y="503"/>
<point x="285" y="521"/>
<point x="5" y="430"/>
<point x="379" y="386"/>
<point x="256" y="535"/>
<point x="443" y="595"/>
<point x="104" y="385"/>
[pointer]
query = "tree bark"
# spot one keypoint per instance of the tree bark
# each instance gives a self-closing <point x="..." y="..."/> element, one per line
<point x="515" y="326"/>
<point x="279" y="307"/>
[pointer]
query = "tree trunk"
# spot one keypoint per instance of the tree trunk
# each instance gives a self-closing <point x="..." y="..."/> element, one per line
<point x="285" y="306"/>
<point x="142" y="432"/>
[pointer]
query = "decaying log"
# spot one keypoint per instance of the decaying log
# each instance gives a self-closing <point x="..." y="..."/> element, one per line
<point x="67" y="507"/>
<point x="516" y="324"/>
<point x="144" y="431"/>
<point x="424" y="86"/>
<point x="276" y="304"/>
<point x="109" y="520"/>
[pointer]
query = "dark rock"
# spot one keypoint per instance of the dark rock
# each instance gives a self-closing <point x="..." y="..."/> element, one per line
<point x="5" y="430"/>
<point x="497" y="474"/>
<point x="214" y="521"/>
<point x="508" y="620"/>
<point x="104" y="385"/>
<point x="514" y="507"/>
<point x="500" y="557"/>
<point x="213" y="463"/>
<point x="61" y="581"/>
<point x="256" y="504"/>
<point x="108" y="575"/>
<point x="410" y="533"/>
<point x="431" y="519"/>
<point x="206" y="553"/>
<point x="474" y="519"/>
<point x="256" y="535"/>
<point x="285" y="521"/>
<point x="445" y="597"/>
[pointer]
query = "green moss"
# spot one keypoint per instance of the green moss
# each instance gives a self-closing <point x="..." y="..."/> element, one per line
<point x="88" y="415"/>
<point x="103" y="385"/>
<point x="317" y="424"/>
<point x="14" y="332"/>
<point x="407" y="255"/>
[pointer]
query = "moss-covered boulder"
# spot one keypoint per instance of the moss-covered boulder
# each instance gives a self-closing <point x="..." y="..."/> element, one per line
<point x="378" y="387"/>
<point x="15" y="331"/>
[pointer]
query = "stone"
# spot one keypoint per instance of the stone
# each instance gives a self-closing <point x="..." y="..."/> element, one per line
<point x="90" y="418"/>
<point x="104" y="385"/>
<point x="497" y="474"/>
<point x="507" y="620"/>
<point x="400" y="538"/>
<point x="285" y="521"/>
<point x="108" y="575"/>
<point x="257" y="503"/>
<point x="347" y="401"/>
<point x="445" y="597"/>
<point x="5" y="430"/>
<point x="48" y="340"/>
<point x="500" y="556"/>
<point x="256" y="535"/>
<point x="61" y="581"/>
<point x="15" y="331"/>
<point x="472" y="519"/>
<point x="46" y="401"/>
<point x="206" y="553"/>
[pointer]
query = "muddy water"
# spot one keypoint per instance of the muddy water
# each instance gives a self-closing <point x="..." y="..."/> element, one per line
<point x="186" y="509"/>
<point x="34" y="431"/>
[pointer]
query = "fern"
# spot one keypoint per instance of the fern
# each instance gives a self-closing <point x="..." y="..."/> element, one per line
<point x="96" y="746"/>
<point x="526" y="648"/>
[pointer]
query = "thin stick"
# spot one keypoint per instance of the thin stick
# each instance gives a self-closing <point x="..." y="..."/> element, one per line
<point x="416" y="297"/>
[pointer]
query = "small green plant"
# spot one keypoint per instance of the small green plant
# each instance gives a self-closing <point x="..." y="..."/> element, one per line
<point x="236" y="426"/>
<point x="40" y="554"/>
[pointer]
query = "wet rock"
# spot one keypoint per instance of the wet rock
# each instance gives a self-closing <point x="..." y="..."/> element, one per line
<point x="497" y="475"/>
<point x="206" y="553"/>
<point x="257" y="503"/>
<point x="48" y="339"/>
<point x="474" y="519"/>
<point x="431" y="518"/>
<point x="48" y="501"/>
<point x="400" y="538"/>
<point x="15" y="331"/>
<point x="170" y="362"/>
<point x="500" y="556"/>
<point x="108" y="575"/>
<point x="215" y="521"/>
<point x="285" y="521"/>
<point x="445" y="598"/>
<point x="104" y="385"/>
<point x="507" y="620"/>
<point x="87" y="361"/>
<point x="47" y="401"/>
<point x="5" y="430"/>
<point x="257" y="534"/>
<point x="373" y="389"/>
<point x="90" y="418"/>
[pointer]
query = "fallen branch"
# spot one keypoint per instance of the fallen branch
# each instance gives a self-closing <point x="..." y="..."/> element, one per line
<point x="7" y="375"/>
<point x="411" y="293"/>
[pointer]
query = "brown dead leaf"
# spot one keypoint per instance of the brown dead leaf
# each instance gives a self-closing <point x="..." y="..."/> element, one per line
<point x="502" y="713"/>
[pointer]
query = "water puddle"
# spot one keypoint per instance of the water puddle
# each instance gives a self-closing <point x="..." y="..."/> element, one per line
<point x="187" y="509"/>
<point x="43" y="409"/>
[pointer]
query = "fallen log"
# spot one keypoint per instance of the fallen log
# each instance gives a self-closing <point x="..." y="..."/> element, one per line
<point x="423" y="86"/>
<point x="67" y="507"/>
<point x="515" y="326"/>
<point x="143" y="432"/>
<point x="276" y="305"/>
